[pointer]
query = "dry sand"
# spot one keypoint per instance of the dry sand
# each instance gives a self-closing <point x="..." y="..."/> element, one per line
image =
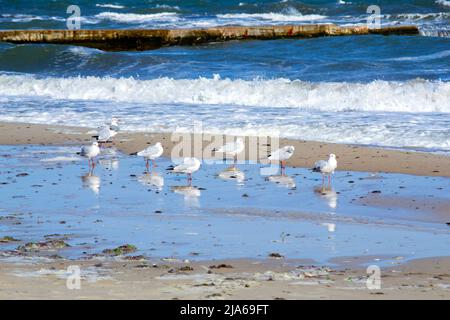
<point x="355" y="158"/>
<point x="247" y="279"/>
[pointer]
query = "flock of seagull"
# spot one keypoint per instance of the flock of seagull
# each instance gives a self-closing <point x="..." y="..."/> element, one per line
<point x="189" y="165"/>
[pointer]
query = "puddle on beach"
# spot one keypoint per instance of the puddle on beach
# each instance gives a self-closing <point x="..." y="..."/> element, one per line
<point x="224" y="214"/>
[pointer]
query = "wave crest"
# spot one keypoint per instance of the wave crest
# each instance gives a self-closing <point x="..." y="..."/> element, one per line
<point x="386" y="96"/>
<point x="137" y="18"/>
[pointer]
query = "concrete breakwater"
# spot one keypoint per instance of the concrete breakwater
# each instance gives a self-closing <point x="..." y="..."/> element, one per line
<point x="145" y="39"/>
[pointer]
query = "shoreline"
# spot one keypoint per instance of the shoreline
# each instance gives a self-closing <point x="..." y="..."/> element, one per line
<point x="222" y="279"/>
<point x="350" y="157"/>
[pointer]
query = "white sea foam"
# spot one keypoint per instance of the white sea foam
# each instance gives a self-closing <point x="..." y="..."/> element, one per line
<point x="437" y="55"/>
<point x="137" y="18"/>
<point x="165" y="6"/>
<point x="109" y="5"/>
<point x="443" y="2"/>
<point x="272" y="16"/>
<point x="387" y="96"/>
<point x="28" y="17"/>
<point x="421" y="16"/>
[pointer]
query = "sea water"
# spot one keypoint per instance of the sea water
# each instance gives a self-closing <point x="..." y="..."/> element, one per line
<point x="390" y="91"/>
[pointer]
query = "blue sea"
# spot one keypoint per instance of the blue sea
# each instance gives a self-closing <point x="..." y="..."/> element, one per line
<point x="369" y="90"/>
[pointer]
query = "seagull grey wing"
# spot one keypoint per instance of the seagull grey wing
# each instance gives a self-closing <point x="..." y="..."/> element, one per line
<point x="104" y="134"/>
<point x="319" y="165"/>
<point x="180" y="168"/>
<point x="147" y="152"/>
<point x="84" y="152"/>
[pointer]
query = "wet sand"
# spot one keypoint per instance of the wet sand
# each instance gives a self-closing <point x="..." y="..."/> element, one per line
<point x="286" y="237"/>
<point x="355" y="158"/>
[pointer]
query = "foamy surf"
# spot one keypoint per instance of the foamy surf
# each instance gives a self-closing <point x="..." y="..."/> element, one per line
<point x="273" y="16"/>
<point x="109" y="5"/>
<point x="137" y="18"/>
<point x="387" y="96"/>
<point x="443" y="2"/>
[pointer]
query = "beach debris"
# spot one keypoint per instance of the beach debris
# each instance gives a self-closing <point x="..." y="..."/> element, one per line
<point x="7" y="239"/>
<point x="121" y="250"/>
<point x="185" y="268"/>
<point x="23" y="174"/>
<point x="221" y="266"/>
<point x="300" y="273"/>
<point x="136" y="258"/>
<point x="53" y="244"/>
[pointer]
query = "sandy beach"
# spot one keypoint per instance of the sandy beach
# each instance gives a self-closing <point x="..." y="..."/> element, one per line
<point x="218" y="279"/>
<point x="386" y="208"/>
<point x="351" y="157"/>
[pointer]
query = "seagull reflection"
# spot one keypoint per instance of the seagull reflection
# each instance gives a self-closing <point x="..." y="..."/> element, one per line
<point x="190" y="193"/>
<point x="152" y="179"/>
<point x="232" y="173"/>
<point x="330" y="226"/>
<point x="91" y="181"/>
<point x="282" y="180"/>
<point x="328" y="194"/>
<point x="109" y="164"/>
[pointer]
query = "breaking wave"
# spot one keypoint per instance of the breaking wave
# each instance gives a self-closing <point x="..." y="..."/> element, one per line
<point x="386" y="96"/>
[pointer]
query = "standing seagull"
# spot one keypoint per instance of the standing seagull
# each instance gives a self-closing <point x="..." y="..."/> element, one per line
<point x="282" y="155"/>
<point x="151" y="153"/>
<point x="232" y="148"/>
<point x="108" y="131"/>
<point x="188" y="166"/>
<point x="326" y="168"/>
<point x="90" y="152"/>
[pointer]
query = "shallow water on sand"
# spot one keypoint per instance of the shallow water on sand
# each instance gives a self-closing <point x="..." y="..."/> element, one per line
<point x="224" y="214"/>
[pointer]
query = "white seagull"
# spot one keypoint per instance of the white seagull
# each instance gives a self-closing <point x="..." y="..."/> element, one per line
<point x="90" y="152"/>
<point x="188" y="166"/>
<point x="108" y="131"/>
<point x="282" y="155"/>
<point x="326" y="168"/>
<point x="151" y="153"/>
<point x="232" y="148"/>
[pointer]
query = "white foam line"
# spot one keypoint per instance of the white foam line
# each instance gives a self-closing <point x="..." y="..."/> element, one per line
<point x="388" y="96"/>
